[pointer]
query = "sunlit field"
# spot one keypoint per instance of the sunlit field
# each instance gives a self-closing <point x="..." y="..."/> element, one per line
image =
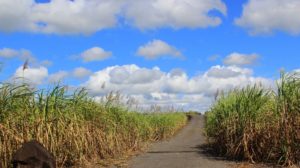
<point x="136" y="83"/>
<point x="258" y="124"/>
<point x="74" y="127"/>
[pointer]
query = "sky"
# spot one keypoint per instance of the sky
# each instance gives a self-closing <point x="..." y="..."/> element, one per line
<point x="159" y="52"/>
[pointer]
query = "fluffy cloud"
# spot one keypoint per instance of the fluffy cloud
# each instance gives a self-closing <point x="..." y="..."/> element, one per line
<point x="156" y="49"/>
<point x="58" y="16"/>
<point x="89" y="16"/>
<point x="95" y="54"/>
<point x="8" y="53"/>
<point x="22" y="54"/>
<point x="80" y="16"/>
<point x="81" y="72"/>
<point x="33" y="76"/>
<point x="15" y="15"/>
<point x="47" y="63"/>
<point x="240" y="59"/>
<point x="153" y="86"/>
<point x="134" y="75"/>
<point x="150" y="14"/>
<point x="265" y="16"/>
<point x="227" y="72"/>
<point x="58" y="76"/>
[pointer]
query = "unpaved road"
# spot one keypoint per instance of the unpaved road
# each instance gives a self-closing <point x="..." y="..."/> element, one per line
<point x="182" y="151"/>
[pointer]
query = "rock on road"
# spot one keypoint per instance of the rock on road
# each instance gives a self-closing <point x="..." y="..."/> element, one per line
<point x="182" y="151"/>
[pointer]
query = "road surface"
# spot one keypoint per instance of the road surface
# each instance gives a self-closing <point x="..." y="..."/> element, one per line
<point x="185" y="150"/>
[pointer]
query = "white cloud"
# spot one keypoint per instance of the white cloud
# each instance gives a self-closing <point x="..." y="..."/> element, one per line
<point x="134" y="75"/>
<point x="227" y="72"/>
<point x="26" y="55"/>
<point x="58" y="16"/>
<point x="15" y="15"/>
<point x="174" y="88"/>
<point x="8" y="53"/>
<point x="151" y="86"/>
<point x="33" y="76"/>
<point x="89" y="16"/>
<point x="47" y="63"/>
<point x="81" y="72"/>
<point x="157" y="48"/>
<point x="266" y="16"/>
<point x="150" y="14"/>
<point x="177" y="72"/>
<point x="80" y="16"/>
<point x="296" y="71"/>
<point x="240" y="59"/>
<point x="21" y="54"/>
<point x="95" y="54"/>
<point x="58" y="76"/>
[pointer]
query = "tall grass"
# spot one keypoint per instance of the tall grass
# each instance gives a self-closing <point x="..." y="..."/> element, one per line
<point x="258" y="124"/>
<point x="74" y="127"/>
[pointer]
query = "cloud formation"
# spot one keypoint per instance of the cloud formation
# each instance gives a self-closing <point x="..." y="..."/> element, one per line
<point x="58" y="16"/>
<point x="58" y="77"/>
<point x="157" y="48"/>
<point x="16" y="19"/>
<point x="227" y="72"/>
<point x="95" y="54"/>
<point x="8" y="53"/>
<point x="81" y="72"/>
<point x="33" y="76"/>
<point x="89" y="16"/>
<point x="47" y="63"/>
<point x="151" y="14"/>
<point x="153" y="86"/>
<point x="239" y="59"/>
<point x="267" y="16"/>
<point x="21" y="54"/>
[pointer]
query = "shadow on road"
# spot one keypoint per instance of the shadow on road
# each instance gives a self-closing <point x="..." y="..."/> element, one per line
<point x="203" y="150"/>
<point x="166" y="152"/>
<point x="209" y="152"/>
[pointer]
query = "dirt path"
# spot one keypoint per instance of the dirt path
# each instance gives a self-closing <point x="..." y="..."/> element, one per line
<point x="182" y="151"/>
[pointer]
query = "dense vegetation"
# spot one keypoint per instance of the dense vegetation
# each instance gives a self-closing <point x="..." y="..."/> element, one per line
<point x="74" y="127"/>
<point x="258" y="124"/>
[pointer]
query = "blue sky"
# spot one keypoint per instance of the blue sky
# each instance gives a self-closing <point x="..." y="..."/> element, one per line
<point x="225" y="42"/>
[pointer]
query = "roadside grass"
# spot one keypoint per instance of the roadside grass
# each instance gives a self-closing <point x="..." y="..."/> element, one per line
<point x="257" y="124"/>
<point x="74" y="127"/>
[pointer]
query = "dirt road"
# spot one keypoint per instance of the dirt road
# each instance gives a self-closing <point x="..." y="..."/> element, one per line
<point x="182" y="151"/>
